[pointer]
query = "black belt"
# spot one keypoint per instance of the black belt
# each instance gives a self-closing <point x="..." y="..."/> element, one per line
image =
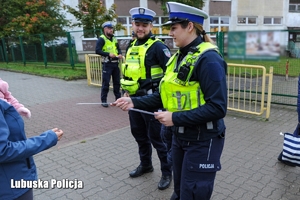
<point x="113" y="61"/>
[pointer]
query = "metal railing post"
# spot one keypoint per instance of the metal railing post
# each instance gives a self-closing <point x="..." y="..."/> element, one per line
<point x="22" y="50"/>
<point x="70" y="49"/>
<point x="270" y="86"/>
<point x="4" y="50"/>
<point x="221" y="42"/>
<point x="88" y="69"/>
<point x="44" y="50"/>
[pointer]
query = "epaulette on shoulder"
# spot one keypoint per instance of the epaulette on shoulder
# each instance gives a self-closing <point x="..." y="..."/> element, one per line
<point x="153" y="37"/>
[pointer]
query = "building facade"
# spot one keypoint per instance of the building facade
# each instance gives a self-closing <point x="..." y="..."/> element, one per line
<point x="224" y="15"/>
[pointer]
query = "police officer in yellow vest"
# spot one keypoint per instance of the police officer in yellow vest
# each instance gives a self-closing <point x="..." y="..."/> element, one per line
<point x="108" y="47"/>
<point x="194" y="93"/>
<point x="146" y="59"/>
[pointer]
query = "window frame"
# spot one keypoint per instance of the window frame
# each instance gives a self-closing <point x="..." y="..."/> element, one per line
<point x="246" y="20"/>
<point x="272" y="22"/>
<point x="297" y="7"/>
<point x="219" y="23"/>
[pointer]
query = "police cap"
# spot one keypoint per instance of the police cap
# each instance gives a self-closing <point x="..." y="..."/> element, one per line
<point x="140" y="14"/>
<point x="179" y="12"/>
<point x="108" y="24"/>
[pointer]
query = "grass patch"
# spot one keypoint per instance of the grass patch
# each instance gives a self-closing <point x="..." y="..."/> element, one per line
<point x="64" y="71"/>
<point x="61" y="72"/>
<point x="279" y="67"/>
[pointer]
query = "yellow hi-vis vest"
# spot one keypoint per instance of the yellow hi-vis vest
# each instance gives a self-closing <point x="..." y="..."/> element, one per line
<point x="134" y="68"/>
<point x="109" y="46"/>
<point x="180" y="95"/>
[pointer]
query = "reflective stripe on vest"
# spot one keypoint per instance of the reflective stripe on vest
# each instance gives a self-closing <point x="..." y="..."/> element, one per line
<point x="179" y="95"/>
<point x="134" y="68"/>
<point x="110" y="46"/>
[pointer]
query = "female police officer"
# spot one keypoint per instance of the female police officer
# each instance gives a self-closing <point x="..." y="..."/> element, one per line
<point x="194" y="93"/>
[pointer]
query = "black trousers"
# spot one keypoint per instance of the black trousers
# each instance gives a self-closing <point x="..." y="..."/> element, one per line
<point x="110" y="70"/>
<point x="166" y="135"/>
<point x="146" y="131"/>
<point x="195" y="165"/>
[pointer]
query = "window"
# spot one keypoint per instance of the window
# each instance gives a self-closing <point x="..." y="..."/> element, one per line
<point x="247" y="20"/>
<point x="272" y="20"/>
<point x="294" y="6"/>
<point x="251" y="20"/>
<point x="277" y="20"/>
<point x="157" y="28"/>
<point x="155" y="20"/>
<point x="219" y="24"/>
<point x="122" y="20"/>
<point x="164" y="19"/>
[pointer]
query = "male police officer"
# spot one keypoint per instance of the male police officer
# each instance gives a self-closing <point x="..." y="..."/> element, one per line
<point x="146" y="59"/>
<point x="108" y="47"/>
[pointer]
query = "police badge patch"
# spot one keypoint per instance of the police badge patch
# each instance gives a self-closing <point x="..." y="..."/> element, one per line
<point x="142" y="11"/>
<point x="167" y="52"/>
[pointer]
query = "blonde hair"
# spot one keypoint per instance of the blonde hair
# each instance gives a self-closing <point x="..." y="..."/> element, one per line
<point x="200" y="31"/>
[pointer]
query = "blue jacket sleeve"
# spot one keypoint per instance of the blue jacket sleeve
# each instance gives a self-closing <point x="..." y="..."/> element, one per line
<point x="119" y="49"/>
<point x="211" y="73"/>
<point x="99" y="46"/>
<point x="148" y="102"/>
<point x="13" y="143"/>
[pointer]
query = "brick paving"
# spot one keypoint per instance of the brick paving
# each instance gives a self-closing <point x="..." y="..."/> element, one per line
<point x="98" y="149"/>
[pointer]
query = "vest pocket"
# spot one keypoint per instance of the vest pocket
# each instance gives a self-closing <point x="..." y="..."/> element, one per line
<point x="130" y="86"/>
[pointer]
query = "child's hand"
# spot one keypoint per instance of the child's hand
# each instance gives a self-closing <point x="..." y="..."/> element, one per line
<point x="59" y="133"/>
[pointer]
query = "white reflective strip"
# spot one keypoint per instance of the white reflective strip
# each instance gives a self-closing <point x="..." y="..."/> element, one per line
<point x="209" y="150"/>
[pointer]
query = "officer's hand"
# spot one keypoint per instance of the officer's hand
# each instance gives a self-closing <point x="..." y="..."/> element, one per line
<point x="123" y="59"/>
<point x="120" y="56"/>
<point x="124" y="103"/>
<point x="126" y="94"/>
<point x="112" y="55"/>
<point x="164" y="117"/>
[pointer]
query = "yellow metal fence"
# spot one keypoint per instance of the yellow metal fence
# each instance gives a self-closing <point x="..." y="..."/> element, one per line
<point x="249" y="86"/>
<point x="249" y="89"/>
<point x="94" y="69"/>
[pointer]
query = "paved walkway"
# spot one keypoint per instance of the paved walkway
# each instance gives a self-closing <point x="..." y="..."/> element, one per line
<point x="99" y="151"/>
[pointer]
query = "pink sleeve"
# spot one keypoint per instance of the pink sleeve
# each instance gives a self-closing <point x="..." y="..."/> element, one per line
<point x="13" y="101"/>
<point x="8" y="96"/>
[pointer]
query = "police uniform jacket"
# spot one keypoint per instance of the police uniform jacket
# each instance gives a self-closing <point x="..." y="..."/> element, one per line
<point x="155" y="55"/>
<point x="210" y="71"/>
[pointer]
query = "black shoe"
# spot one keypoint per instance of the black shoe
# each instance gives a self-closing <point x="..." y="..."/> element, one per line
<point x="164" y="182"/>
<point x="285" y="162"/>
<point x="140" y="170"/>
<point x="104" y="104"/>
